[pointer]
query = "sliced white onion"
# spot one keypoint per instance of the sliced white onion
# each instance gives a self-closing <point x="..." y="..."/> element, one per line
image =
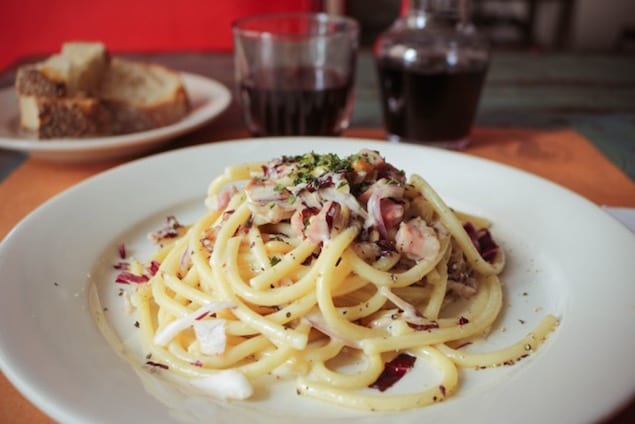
<point x="167" y="333"/>
<point x="211" y="336"/>
<point x="225" y="384"/>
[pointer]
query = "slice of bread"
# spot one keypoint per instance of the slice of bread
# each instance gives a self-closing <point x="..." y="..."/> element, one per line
<point x="84" y="92"/>
<point x="89" y="62"/>
<point x="141" y="96"/>
<point x="65" y="117"/>
<point x="75" y="72"/>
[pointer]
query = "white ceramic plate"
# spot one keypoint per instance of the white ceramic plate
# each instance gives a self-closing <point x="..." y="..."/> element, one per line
<point x="566" y="256"/>
<point x="209" y="99"/>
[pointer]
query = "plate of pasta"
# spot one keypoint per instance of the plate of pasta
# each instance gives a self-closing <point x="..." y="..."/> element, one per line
<point x="318" y="280"/>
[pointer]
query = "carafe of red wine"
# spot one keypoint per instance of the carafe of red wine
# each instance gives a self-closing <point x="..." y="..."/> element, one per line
<point x="431" y="65"/>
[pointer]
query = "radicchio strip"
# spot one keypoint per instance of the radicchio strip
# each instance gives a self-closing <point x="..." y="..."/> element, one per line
<point x="483" y="241"/>
<point x="462" y="320"/>
<point x="432" y="325"/>
<point x="201" y="316"/>
<point x="394" y="371"/>
<point x="157" y="364"/>
<point x="153" y="268"/>
<point x="127" y="277"/>
<point x="122" y="251"/>
<point x="170" y="230"/>
<point x="122" y="265"/>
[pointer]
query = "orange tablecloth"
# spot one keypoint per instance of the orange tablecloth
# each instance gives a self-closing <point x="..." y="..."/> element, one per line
<point x="562" y="156"/>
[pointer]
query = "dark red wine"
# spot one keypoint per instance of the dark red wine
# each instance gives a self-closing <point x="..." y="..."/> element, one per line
<point x="429" y="106"/>
<point x="296" y="101"/>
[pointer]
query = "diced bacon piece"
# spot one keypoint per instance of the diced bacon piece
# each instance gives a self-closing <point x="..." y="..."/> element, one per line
<point x="269" y="202"/>
<point x="391" y="213"/>
<point x="344" y="198"/>
<point x="264" y="193"/>
<point x="220" y="201"/>
<point x="416" y="240"/>
<point x="382" y="189"/>
<point x="371" y="156"/>
<point x="278" y="168"/>
<point x="319" y="228"/>
<point x="261" y="193"/>
<point x="300" y="219"/>
<point x="372" y="166"/>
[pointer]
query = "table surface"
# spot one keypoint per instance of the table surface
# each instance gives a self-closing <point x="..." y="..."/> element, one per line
<point x="593" y="94"/>
<point x="567" y="117"/>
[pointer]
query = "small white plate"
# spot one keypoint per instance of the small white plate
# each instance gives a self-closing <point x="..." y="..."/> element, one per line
<point x="566" y="256"/>
<point x="208" y="97"/>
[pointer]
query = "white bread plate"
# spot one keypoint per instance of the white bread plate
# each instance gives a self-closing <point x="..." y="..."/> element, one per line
<point x="208" y="98"/>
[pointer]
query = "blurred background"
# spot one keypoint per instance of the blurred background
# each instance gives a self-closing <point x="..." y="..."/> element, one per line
<point x="574" y="25"/>
<point x="39" y="27"/>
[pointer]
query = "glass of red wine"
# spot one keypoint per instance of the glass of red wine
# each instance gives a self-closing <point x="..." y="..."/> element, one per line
<point x="295" y="72"/>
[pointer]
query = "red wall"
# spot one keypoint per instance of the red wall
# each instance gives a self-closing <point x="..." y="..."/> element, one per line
<point x="29" y="27"/>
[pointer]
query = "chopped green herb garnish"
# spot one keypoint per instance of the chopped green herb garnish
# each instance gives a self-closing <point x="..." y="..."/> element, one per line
<point x="311" y="166"/>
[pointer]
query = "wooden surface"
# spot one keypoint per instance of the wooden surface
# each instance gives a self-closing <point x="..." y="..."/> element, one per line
<point x="567" y="118"/>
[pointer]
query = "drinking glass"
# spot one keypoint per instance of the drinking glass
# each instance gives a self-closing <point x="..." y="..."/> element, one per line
<point x="295" y="72"/>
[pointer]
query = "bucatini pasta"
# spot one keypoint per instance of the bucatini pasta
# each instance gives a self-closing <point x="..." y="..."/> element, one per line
<point x="309" y="260"/>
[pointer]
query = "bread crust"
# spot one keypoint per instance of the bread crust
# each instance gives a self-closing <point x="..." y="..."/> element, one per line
<point x="72" y="118"/>
<point x="31" y="81"/>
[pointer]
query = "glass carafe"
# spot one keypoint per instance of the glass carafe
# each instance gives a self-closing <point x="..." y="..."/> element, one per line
<point x="431" y="65"/>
